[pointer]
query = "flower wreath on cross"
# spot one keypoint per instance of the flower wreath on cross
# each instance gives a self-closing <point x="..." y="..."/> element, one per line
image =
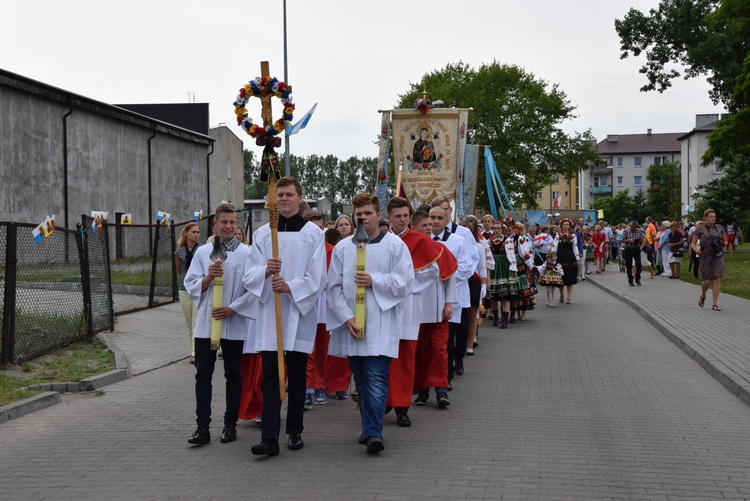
<point x="262" y="87"/>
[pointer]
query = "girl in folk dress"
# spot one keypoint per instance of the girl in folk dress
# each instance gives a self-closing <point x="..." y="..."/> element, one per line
<point x="551" y="276"/>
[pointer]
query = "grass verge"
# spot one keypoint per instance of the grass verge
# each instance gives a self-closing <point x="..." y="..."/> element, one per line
<point x="73" y="363"/>
<point x="736" y="279"/>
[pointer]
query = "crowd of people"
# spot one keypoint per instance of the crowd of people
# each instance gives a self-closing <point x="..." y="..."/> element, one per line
<point x="428" y="283"/>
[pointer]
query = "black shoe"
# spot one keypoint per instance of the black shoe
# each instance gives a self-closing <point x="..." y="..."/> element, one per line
<point x="476" y="345"/>
<point x="459" y="370"/>
<point x="200" y="437"/>
<point x="388" y="409"/>
<point x="402" y="419"/>
<point x="295" y="442"/>
<point x="469" y="353"/>
<point x="631" y="284"/>
<point x="362" y="440"/>
<point x="442" y="400"/>
<point x="228" y="434"/>
<point x="265" y="448"/>
<point x="422" y="398"/>
<point x="375" y="445"/>
<point x="638" y="282"/>
<point x="450" y="387"/>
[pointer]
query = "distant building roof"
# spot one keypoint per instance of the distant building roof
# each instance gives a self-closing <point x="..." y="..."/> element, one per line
<point x="191" y="116"/>
<point x="640" y="143"/>
<point x="705" y="128"/>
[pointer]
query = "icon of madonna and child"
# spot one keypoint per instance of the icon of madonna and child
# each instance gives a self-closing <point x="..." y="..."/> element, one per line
<point x="423" y="154"/>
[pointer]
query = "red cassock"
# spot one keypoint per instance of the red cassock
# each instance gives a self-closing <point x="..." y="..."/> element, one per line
<point x="251" y="401"/>
<point x="317" y="361"/>
<point x="401" y="378"/>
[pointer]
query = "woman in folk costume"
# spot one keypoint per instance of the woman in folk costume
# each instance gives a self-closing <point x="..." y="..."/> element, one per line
<point x="551" y="276"/>
<point x="525" y="260"/>
<point x="566" y="247"/>
<point x="504" y="280"/>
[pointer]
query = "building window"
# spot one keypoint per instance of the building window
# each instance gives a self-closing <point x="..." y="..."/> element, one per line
<point x="718" y="169"/>
<point x="619" y="180"/>
<point x="555" y="179"/>
<point x="538" y="195"/>
<point x="619" y="162"/>
<point x="229" y="169"/>
<point x="566" y="193"/>
<point x="637" y="180"/>
<point x="257" y="215"/>
<point x="555" y="194"/>
<point x="637" y="161"/>
<point x="601" y="181"/>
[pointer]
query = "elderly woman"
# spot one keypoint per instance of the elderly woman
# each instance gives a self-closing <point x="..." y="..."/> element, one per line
<point x="712" y="238"/>
<point x="675" y="242"/>
<point x="664" y="252"/>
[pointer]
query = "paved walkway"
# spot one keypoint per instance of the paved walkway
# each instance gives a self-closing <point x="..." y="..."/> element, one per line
<point x="581" y="401"/>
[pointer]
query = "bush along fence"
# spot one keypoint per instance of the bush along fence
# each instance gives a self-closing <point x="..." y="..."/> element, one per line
<point x="70" y="286"/>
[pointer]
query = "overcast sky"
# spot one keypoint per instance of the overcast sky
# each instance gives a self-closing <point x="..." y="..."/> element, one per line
<point x="352" y="57"/>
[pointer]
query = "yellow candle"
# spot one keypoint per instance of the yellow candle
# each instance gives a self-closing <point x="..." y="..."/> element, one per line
<point x="218" y="297"/>
<point x="359" y="308"/>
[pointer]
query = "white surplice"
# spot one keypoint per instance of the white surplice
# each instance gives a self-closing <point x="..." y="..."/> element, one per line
<point x="431" y="294"/>
<point x="390" y="265"/>
<point x="234" y="295"/>
<point x="303" y="264"/>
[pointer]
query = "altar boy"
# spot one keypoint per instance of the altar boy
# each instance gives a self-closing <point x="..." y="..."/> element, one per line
<point x="234" y="313"/>
<point x="388" y="279"/>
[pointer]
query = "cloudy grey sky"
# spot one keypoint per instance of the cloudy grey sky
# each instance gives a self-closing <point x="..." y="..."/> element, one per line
<point x="352" y="57"/>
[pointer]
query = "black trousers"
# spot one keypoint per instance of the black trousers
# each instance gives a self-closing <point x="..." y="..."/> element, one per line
<point x="205" y="361"/>
<point x="457" y="338"/>
<point x="296" y="370"/>
<point x="630" y="255"/>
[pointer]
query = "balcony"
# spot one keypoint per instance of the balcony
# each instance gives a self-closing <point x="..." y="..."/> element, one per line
<point x="601" y="190"/>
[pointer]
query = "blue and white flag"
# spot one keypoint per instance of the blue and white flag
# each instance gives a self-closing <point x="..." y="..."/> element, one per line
<point x="302" y="123"/>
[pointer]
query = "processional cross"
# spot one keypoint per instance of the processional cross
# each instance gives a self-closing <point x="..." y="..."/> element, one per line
<point x="269" y="174"/>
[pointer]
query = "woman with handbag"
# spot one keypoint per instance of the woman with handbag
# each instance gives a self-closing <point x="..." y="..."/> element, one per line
<point x="712" y="238"/>
<point x="676" y="242"/>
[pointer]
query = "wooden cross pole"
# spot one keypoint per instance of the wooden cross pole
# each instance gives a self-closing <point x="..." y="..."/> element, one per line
<point x="273" y="220"/>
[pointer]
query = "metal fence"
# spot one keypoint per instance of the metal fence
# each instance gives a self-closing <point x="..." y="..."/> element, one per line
<point x="70" y="285"/>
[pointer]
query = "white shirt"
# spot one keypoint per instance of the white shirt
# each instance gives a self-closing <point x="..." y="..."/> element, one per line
<point x="390" y="265"/>
<point x="235" y="327"/>
<point x="303" y="268"/>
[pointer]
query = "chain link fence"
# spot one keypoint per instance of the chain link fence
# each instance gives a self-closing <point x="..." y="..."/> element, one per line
<point x="43" y="295"/>
<point x="70" y="285"/>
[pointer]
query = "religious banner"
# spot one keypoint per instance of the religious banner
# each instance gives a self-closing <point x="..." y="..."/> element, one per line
<point x="536" y="217"/>
<point x="384" y="143"/>
<point x="471" y="168"/>
<point x="430" y="147"/>
<point x="589" y="217"/>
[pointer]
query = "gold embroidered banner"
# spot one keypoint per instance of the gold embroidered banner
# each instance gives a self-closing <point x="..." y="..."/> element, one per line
<point x="430" y="147"/>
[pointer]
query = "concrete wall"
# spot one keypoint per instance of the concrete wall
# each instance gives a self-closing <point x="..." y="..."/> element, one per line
<point x="226" y="165"/>
<point x="108" y="158"/>
<point x="693" y="174"/>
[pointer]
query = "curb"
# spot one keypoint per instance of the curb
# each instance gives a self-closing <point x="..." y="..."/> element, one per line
<point x="710" y="364"/>
<point x="29" y="405"/>
<point x="51" y="391"/>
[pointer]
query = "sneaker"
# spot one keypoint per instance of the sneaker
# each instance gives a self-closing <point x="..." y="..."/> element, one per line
<point x="308" y="401"/>
<point x="320" y="397"/>
<point x="422" y="398"/>
<point x="341" y="395"/>
<point x="442" y="400"/>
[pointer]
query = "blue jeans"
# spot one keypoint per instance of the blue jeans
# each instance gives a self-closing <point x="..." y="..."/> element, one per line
<point x="371" y="377"/>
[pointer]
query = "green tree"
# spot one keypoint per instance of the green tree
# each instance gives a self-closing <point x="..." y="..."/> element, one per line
<point x="640" y="202"/>
<point x="703" y="37"/>
<point x="518" y="116"/>
<point x="727" y="196"/>
<point x="254" y="189"/>
<point x="664" y="193"/>
<point x="617" y="209"/>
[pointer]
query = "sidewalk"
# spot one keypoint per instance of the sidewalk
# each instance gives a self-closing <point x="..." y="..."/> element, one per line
<point x="719" y="341"/>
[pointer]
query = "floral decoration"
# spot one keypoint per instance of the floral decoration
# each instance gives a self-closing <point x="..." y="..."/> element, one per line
<point x="422" y="166"/>
<point x="261" y="87"/>
<point x="423" y="105"/>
